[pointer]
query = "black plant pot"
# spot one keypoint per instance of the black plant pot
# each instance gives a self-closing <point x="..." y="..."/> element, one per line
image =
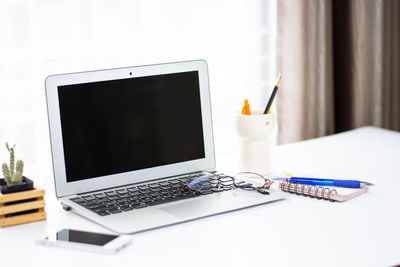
<point x="27" y="184"/>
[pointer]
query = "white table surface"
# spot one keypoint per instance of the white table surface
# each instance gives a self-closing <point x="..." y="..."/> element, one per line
<point x="298" y="231"/>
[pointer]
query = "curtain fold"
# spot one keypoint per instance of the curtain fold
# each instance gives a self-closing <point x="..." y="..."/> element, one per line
<point x="340" y="66"/>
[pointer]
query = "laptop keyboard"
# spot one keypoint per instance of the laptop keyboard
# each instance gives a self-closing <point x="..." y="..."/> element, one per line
<point x="141" y="196"/>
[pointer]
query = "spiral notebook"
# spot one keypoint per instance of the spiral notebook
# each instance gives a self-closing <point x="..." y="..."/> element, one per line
<point x="329" y="193"/>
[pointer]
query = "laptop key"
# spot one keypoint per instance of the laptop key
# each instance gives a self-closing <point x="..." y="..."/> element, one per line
<point x="122" y="203"/>
<point x="154" y="195"/>
<point x="143" y="187"/>
<point x="176" y="185"/>
<point x="101" y="209"/>
<point x="134" y="194"/>
<point x="155" y="189"/>
<point x="77" y="200"/>
<point x="176" y="192"/>
<point x="145" y="200"/>
<point x="94" y="206"/>
<point x="145" y="191"/>
<point x="112" y="207"/>
<point x="132" y="189"/>
<point x="110" y="202"/>
<point x="90" y="197"/>
<point x="87" y="203"/>
<point x="130" y="198"/>
<point x="166" y="187"/>
<point x="135" y="202"/>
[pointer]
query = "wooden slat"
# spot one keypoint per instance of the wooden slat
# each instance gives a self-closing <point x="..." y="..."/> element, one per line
<point x="37" y="192"/>
<point x="33" y="217"/>
<point x="31" y="205"/>
<point x="1" y="205"/>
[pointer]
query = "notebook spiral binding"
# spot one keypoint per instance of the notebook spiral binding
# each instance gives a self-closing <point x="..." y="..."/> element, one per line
<point x="318" y="192"/>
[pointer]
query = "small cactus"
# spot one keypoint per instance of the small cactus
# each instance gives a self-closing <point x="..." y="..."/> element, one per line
<point x="13" y="177"/>
<point x="6" y="172"/>
<point x="19" y="169"/>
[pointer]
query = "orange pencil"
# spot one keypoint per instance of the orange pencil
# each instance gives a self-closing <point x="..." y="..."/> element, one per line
<point x="246" y="108"/>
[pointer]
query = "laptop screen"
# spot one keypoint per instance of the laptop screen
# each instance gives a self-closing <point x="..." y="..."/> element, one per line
<point x="117" y="126"/>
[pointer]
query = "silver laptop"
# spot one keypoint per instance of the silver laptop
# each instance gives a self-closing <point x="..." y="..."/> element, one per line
<point x="119" y="133"/>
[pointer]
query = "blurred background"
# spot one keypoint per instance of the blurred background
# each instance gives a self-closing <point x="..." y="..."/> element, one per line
<point x="340" y="63"/>
<point x="44" y="37"/>
<point x="339" y="60"/>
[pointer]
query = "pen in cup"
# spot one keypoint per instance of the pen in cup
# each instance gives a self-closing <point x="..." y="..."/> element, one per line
<point x="271" y="99"/>
<point x="246" y="107"/>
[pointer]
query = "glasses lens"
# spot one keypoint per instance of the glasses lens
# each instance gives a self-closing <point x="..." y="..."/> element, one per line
<point x="249" y="181"/>
<point x="204" y="182"/>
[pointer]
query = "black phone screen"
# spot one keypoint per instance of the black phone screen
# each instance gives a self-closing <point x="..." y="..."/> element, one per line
<point x="69" y="235"/>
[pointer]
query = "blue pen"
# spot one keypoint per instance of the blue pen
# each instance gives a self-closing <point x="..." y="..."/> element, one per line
<point x="328" y="182"/>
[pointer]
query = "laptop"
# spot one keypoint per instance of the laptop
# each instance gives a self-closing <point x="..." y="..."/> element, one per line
<point x="121" y="137"/>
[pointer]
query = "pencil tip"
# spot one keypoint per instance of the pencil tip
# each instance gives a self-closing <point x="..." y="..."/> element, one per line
<point x="278" y="80"/>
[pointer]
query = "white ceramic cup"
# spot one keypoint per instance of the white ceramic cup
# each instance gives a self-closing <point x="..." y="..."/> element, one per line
<point x="256" y="136"/>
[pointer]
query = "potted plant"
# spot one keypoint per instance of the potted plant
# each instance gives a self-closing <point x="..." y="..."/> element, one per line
<point x="13" y="180"/>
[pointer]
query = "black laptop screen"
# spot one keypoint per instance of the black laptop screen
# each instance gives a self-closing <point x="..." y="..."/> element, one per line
<point x="123" y="125"/>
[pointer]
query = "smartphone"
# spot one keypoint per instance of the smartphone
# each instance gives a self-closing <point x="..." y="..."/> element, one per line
<point x="87" y="241"/>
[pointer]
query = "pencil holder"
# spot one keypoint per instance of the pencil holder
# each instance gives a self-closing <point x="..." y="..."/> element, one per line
<point x="256" y="135"/>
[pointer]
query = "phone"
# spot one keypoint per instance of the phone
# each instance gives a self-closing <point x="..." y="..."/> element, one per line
<point x="88" y="241"/>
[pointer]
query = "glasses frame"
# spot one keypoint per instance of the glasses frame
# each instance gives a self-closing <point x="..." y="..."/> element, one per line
<point x="267" y="182"/>
<point x="221" y="187"/>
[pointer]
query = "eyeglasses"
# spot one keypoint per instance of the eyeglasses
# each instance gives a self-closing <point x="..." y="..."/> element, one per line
<point x="249" y="181"/>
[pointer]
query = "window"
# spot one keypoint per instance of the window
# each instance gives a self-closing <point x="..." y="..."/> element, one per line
<point x="44" y="37"/>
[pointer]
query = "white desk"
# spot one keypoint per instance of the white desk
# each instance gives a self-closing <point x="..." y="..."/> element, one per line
<point x="296" y="231"/>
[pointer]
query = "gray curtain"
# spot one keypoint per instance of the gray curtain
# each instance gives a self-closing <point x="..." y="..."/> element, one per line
<point x="339" y="61"/>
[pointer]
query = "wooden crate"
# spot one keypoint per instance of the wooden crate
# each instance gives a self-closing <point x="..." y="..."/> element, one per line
<point x="22" y="207"/>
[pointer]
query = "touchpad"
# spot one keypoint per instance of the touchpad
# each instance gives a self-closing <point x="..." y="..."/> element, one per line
<point x="198" y="208"/>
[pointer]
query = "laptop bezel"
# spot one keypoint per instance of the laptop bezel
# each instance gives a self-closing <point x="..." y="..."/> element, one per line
<point x="64" y="188"/>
